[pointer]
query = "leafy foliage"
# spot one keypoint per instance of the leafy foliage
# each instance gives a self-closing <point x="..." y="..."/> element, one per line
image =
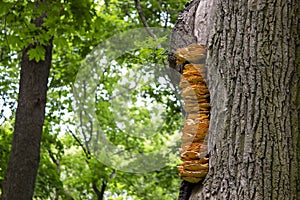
<point x="5" y="145"/>
<point x="68" y="166"/>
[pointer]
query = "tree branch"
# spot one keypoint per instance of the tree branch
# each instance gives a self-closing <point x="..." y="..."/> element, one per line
<point x="87" y="153"/>
<point x="143" y="18"/>
<point x="100" y="193"/>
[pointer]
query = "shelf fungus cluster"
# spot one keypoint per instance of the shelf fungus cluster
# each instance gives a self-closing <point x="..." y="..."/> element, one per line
<point x="196" y="104"/>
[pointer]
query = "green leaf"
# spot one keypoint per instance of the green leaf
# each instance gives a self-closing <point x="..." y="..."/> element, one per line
<point x="37" y="53"/>
<point x="5" y="7"/>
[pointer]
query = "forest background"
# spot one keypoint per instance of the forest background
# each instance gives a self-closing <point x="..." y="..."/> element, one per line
<point x="69" y="167"/>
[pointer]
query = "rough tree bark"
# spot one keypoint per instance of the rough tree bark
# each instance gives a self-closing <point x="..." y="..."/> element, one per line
<point x="254" y="80"/>
<point x="25" y="153"/>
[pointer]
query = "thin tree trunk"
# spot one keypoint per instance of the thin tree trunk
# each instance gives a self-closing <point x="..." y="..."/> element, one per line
<point x="100" y="193"/>
<point x="254" y="81"/>
<point x="25" y="153"/>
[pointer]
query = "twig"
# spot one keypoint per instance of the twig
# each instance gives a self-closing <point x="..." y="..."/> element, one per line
<point x="54" y="160"/>
<point x="87" y="154"/>
<point x="143" y="19"/>
<point x="167" y="17"/>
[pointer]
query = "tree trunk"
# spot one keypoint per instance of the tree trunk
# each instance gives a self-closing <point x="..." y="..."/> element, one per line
<point x="254" y="81"/>
<point x="25" y="153"/>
